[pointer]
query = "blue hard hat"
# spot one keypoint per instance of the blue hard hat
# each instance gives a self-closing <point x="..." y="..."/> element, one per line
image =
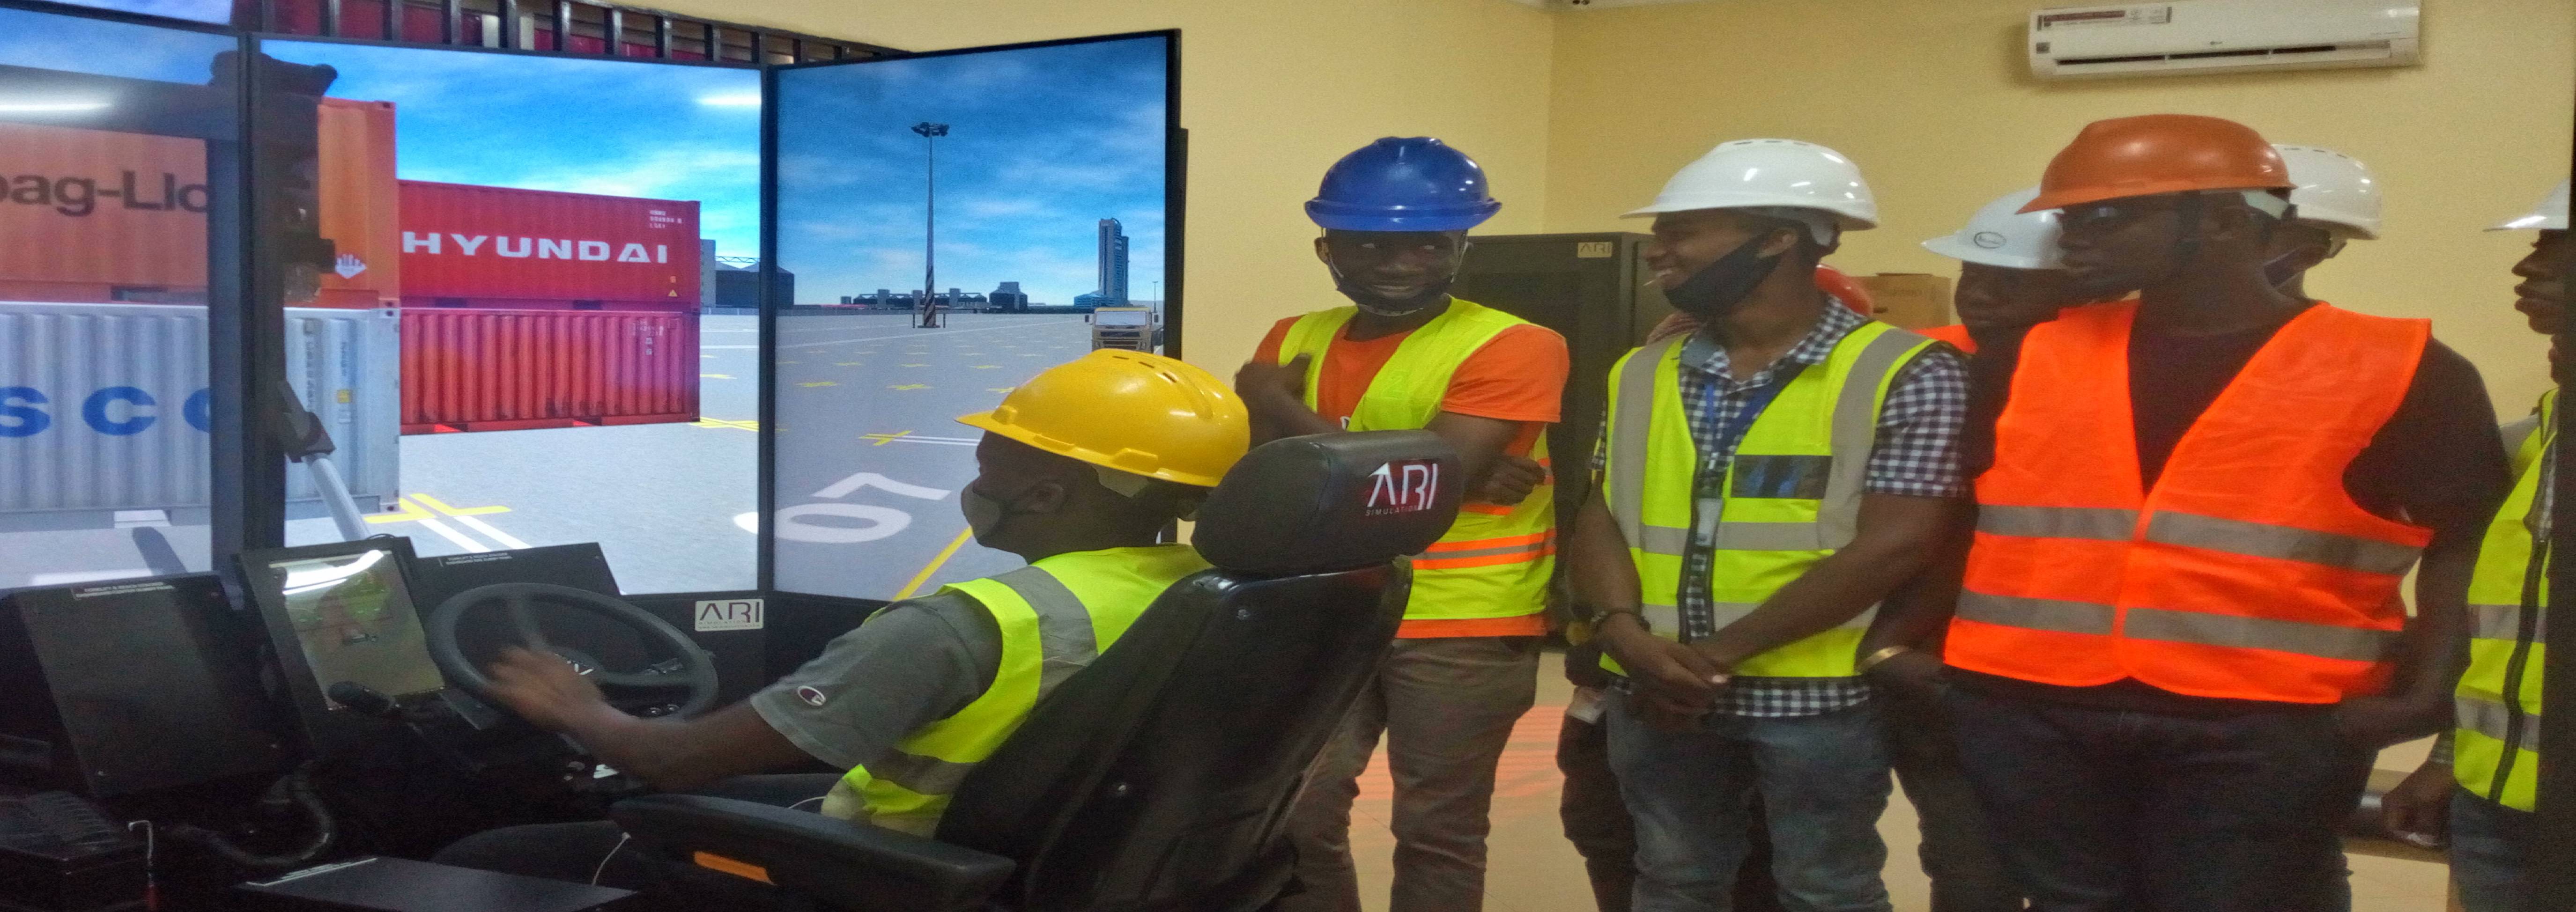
<point x="1403" y="184"/>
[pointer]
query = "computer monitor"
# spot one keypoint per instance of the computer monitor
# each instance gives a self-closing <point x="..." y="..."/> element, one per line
<point x="130" y="686"/>
<point x="342" y="613"/>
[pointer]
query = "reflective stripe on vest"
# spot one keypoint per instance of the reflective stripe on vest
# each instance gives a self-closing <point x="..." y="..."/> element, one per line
<point x="1791" y="496"/>
<point x="2493" y="752"/>
<point x="1055" y="617"/>
<point x="2246" y="573"/>
<point x="1495" y="561"/>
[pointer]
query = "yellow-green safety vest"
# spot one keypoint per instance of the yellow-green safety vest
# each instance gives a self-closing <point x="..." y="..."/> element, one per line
<point x="2494" y="749"/>
<point x="1791" y="496"/>
<point x="1495" y="561"/>
<point x="1055" y="616"/>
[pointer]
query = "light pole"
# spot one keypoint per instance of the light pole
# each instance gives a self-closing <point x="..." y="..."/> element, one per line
<point x="930" y="134"/>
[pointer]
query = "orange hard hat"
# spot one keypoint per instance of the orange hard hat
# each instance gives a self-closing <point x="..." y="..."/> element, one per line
<point x="1844" y="288"/>
<point x="2159" y="153"/>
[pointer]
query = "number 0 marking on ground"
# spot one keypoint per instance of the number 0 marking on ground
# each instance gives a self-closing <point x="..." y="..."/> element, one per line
<point x="882" y="522"/>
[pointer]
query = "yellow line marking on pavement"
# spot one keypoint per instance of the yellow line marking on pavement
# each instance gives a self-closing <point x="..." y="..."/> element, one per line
<point x="849" y="364"/>
<point x="1001" y="389"/>
<point x="986" y="367"/>
<point x="410" y="511"/>
<point x="722" y="423"/>
<point x="1030" y="355"/>
<point x="933" y="567"/>
<point x="818" y="383"/>
<point x="916" y="365"/>
<point x="435" y="504"/>
<point x="715" y="376"/>
<point x="883" y="439"/>
<point x="910" y="386"/>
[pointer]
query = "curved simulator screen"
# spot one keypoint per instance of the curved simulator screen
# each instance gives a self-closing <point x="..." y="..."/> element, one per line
<point x="955" y="223"/>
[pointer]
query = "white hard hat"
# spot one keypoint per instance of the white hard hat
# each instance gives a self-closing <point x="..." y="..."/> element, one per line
<point x="2000" y="234"/>
<point x="2550" y="215"/>
<point x="1781" y="178"/>
<point x="2334" y="190"/>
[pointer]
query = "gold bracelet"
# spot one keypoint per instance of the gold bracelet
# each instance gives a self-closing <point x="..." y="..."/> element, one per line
<point x="1880" y="657"/>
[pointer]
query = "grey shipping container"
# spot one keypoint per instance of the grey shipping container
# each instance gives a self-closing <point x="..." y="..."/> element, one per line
<point x="103" y="408"/>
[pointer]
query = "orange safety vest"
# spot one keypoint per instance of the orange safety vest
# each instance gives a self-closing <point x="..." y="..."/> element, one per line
<point x="1956" y="334"/>
<point x="2247" y="573"/>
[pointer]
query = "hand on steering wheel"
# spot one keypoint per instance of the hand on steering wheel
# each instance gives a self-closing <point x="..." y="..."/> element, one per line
<point x="543" y="688"/>
<point x="540" y="682"/>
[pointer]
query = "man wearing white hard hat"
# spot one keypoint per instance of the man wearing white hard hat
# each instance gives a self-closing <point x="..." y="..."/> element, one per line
<point x="2009" y="271"/>
<point x="1764" y="482"/>
<point x="2010" y="276"/>
<point x="2484" y="777"/>
<point x="2336" y="202"/>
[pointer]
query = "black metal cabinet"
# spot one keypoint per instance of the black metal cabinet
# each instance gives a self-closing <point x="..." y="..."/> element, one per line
<point x="1594" y="289"/>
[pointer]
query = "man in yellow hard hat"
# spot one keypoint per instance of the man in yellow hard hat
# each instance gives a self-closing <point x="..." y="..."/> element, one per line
<point x="1082" y="468"/>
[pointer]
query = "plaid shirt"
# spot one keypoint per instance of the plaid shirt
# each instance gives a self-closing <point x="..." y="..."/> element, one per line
<point x="1916" y="455"/>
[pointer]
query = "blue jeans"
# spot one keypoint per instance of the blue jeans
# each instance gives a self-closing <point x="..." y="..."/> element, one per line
<point x="2490" y="854"/>
<point x="2101" y="810"/>
<point x="1823" y="781"/>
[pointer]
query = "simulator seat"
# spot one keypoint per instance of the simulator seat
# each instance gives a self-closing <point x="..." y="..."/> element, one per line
<point x="1158" y="778"/>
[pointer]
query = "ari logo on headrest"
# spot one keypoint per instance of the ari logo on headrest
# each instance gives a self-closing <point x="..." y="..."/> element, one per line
<point x="1403" y="487"/>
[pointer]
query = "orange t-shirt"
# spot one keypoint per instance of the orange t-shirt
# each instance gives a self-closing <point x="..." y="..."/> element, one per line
<point x="1518" y="376"/>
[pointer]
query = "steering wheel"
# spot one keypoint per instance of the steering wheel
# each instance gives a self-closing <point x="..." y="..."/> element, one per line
<point x="696" y="669"/>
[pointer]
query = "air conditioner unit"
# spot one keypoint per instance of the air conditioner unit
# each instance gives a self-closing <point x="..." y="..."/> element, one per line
<point x="2210" y="36"/>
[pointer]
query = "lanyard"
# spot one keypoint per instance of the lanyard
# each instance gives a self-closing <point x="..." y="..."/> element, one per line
<point x="1729" y="438"/>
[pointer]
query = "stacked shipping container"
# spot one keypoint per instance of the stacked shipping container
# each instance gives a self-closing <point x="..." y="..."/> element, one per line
<point x="529" y="309"/>
<point x="494" y="282"/>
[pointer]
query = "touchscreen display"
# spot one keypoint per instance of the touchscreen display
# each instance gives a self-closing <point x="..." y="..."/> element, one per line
<point x="356" y="623"/>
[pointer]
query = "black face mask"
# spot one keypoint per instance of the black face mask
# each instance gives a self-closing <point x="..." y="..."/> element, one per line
<point x="1380" y="305"/>
<point x="1714" y="291"/>
<point x="2279" y="269"/>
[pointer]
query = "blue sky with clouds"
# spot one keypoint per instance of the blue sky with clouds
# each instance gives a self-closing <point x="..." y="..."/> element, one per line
<point x="218" y="12"/>
<point x="74" y="44"/>
<point x="1044" y="143"/>
<point x="567" y="124"/>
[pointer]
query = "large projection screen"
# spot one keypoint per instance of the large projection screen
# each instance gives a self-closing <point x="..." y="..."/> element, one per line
<point x="1029" y="189"/>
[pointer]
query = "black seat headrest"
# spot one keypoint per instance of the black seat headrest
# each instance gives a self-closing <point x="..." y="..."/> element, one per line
<point x="1331" y="502"/>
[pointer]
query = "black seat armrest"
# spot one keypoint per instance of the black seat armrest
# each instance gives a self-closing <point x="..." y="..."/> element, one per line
<point x="840" y="864"/>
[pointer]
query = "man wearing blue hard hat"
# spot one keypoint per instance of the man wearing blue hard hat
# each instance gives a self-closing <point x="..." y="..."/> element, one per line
<point x="1403" y="355"/>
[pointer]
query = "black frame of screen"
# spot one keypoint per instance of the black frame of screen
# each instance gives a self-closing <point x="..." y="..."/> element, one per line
<point x="1175" y="179"/>
<point x="615" y="23"/>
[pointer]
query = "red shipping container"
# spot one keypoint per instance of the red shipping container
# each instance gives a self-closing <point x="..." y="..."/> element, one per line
<point x="474" y="369"/>
<point x="122" y="215"/>
<point x="500" y="247"/>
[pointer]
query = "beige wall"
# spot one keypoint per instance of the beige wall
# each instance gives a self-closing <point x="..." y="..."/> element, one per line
<point x="1272" y="92"/>
<point x="1581" y="115"/>
<point x="1935" y="102"/>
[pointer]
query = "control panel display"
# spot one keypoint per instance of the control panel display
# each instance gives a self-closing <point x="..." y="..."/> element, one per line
<point x="355" y="620"/>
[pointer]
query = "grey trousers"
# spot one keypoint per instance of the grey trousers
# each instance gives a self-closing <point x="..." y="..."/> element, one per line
<point x="1446" y="707"/>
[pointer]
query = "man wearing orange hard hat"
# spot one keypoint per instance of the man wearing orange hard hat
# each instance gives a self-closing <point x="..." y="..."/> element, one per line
<point x="2178" y="627"/>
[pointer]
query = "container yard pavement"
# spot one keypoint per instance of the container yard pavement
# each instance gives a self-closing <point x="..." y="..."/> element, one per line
<point x="870" y="462"/>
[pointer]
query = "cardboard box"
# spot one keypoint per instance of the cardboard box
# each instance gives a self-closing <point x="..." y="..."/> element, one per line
<point x="1911" y="300"/>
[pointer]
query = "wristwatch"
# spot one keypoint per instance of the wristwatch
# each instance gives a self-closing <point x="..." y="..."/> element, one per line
<point x="1880" y="658"/>
<point x="1602" y="620"/>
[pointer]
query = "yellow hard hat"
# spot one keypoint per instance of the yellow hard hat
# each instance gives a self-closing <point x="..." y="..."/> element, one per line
<point x="1139" y="413"/>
